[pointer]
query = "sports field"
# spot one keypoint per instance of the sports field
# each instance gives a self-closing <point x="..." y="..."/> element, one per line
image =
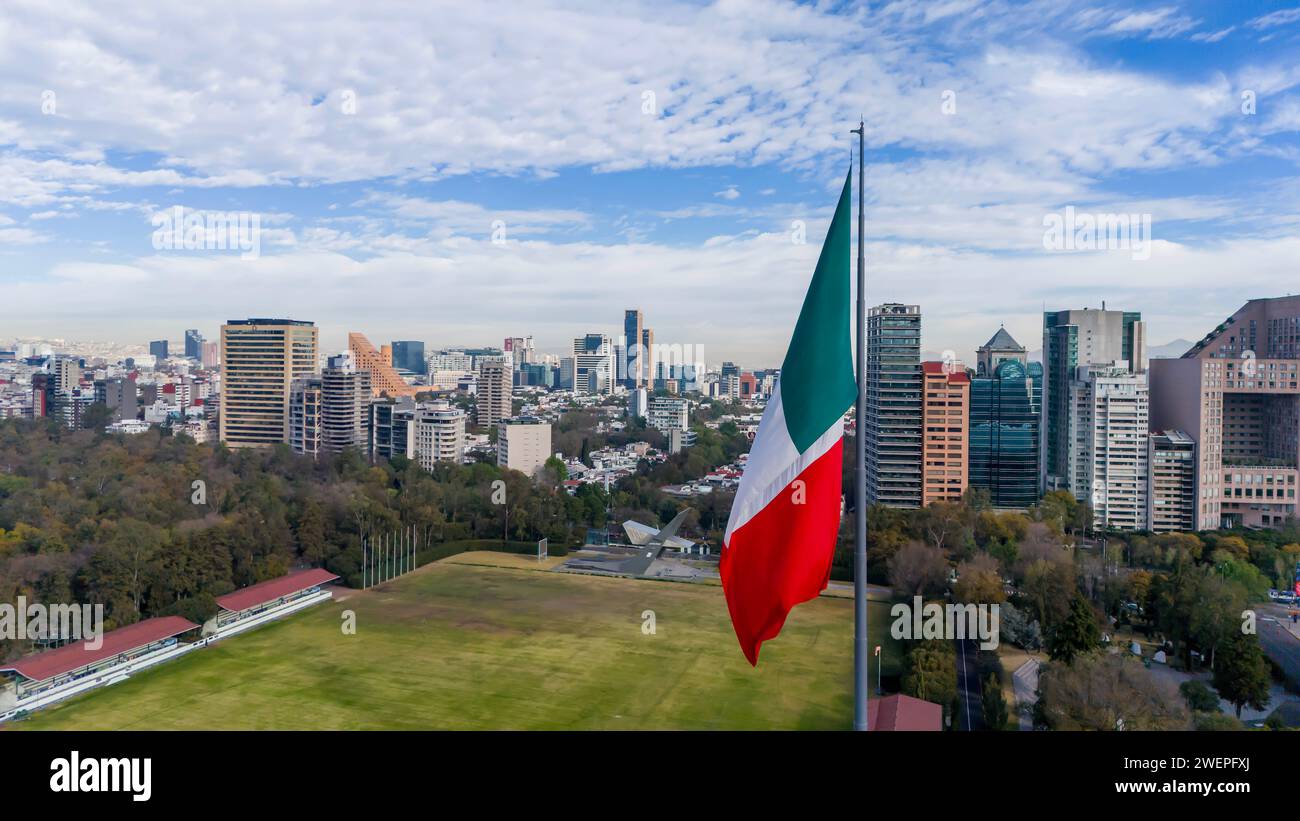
<point x="465" y="645"/>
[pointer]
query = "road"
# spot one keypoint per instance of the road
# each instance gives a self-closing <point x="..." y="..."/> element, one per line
<point x="1280" y="645"/>
<point x="970" y="715"/>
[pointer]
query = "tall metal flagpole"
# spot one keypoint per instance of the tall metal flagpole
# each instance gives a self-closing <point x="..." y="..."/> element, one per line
<point x="860" y="648"/>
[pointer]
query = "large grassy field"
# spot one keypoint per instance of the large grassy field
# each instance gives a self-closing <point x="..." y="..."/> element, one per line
<point x="468" y="646"/>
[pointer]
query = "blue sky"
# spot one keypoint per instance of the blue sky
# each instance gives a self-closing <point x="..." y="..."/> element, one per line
<point x="652" y="155"/>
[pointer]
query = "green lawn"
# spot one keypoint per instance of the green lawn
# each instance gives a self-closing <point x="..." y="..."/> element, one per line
<point x="457" y="646"/>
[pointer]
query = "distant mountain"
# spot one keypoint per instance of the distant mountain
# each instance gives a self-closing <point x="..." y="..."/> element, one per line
<point x="1173" y="350"/>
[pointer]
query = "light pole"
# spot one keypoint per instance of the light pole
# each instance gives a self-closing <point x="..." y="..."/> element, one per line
<point x="879" y="691"/>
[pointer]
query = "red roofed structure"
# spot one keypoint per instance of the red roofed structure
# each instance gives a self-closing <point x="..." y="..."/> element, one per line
<point x="123" y="641"/>
<point x="274" y="589"/>
<point x="900" y="712"/>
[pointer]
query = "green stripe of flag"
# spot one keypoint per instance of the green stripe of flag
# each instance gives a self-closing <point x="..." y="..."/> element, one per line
<point x="817" y="379"/>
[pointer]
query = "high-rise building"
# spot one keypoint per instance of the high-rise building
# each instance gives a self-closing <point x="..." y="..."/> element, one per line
<point x="67" y="373"/>
<point x="392" y="428"/>
<point x="344" y="405"/>
<point x="158" y="349"/>
<point x="210" y="355"/>
<point x="665" y="414"/>
<point x="408" y="355"/>
<point x="1000" y="348"/>
<point x="593" y="357"/>
<point x="946" y="423"/>
<point x="518" y="351"/>
<point x="1072" y="339"/>
<point x="1005" y="408"/>
<point x="384" y="379"/>
<point x="1108" y="420"/>
<point x="1171" y="489"/>
<point x="43" y="387"/>
<point x="638" y="403"/>
<point x="118" y="393"/>
<point x="566" y="378"/>
<point x="305" y="415"/>
<point x="646" y="361"/>
<point x="523" y="444"/>
<point x="893" y="406"/>
<point x="450" y="361"/>
<point x="193" y="344"/>
<point x="1236" y="394"/>
<point x="439" y="434"/>
<point x="633" y="363"/>
<point x="260" y="359"/>
<point x="495" y="394"/>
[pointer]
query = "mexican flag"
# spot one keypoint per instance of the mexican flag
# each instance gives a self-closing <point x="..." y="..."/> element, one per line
<point x="784" y="521"/>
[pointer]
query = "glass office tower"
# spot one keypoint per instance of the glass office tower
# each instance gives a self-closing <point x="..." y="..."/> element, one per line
<point x="1004" y="433"/>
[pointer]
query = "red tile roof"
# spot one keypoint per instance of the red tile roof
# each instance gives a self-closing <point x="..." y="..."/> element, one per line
<point x="900" y="712"/>
<point x="939" y="368"/>
<point x="69" y="657"/>
<point x="263" y="592"/>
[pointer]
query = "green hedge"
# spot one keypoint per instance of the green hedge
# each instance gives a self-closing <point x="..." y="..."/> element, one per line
<point x="436" y="552"/>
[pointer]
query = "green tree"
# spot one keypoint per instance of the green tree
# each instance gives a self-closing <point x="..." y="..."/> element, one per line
<point x="1241" y="673"/>
<point x="96" y="416"/>
<point x="1076" y="635"/>
<point x="1199" y="697"/>
<point x="993" y="704"/>
<point x="931" y="673"/>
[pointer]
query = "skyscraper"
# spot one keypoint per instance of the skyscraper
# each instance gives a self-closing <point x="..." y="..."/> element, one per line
<point x="593" y="359"/>
<point x="408" y="355"/>
<point x="345" y="401"/>
<point x="1072" y="339"/>
<point x="1108" y="432"/>
<point x="210" y="355"/>
<point x="894" y="406"/>
<point x="495" y="397"/>
<point x="260" y="359"/>
<point x="1005" y="408"/>
<point x="633" y="363"/>
<point x="158" y="349"/>
<point x="193" y="344"/>
<point x="946" y="422"/>
<point x="305" y="415"/>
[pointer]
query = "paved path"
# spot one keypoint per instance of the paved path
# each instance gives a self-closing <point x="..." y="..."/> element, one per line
<point x="970" y="712"/>
<point x="1025" y="682"/>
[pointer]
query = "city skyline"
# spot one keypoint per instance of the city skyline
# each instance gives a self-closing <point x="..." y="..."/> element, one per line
<point x="690" y="150"/>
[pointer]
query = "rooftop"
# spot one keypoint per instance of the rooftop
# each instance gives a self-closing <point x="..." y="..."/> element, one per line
<point x="1003" y="341"/>
<point x="900" y="712"/>
<point x="73" y="656"/>
<point x="266" y="591"/>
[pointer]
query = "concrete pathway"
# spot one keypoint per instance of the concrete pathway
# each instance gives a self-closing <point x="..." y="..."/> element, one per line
<point x="1025" y="682"/>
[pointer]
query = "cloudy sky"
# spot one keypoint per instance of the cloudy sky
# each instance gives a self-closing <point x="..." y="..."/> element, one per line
<point x="460" y="172"/>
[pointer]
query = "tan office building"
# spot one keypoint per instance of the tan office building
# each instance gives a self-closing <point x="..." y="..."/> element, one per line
<point x="945" y="428"/>
<point x="260" y="358"/>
